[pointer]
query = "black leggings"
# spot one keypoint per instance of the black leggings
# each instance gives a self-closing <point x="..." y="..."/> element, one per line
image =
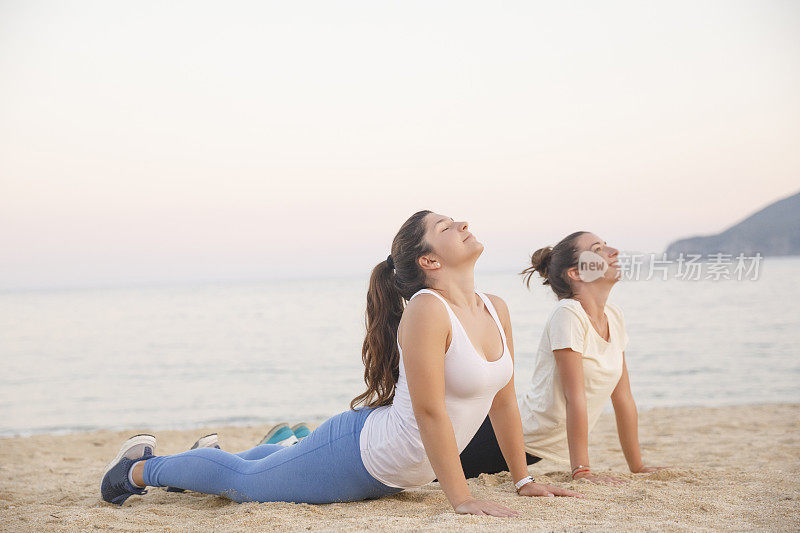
<point x="483" y="456"/>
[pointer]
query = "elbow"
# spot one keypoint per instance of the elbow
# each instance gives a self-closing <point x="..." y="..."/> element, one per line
<point x="623" y="402"/>
<point x="575" y="403"/>
<point x="429" y="416"/>
<point x="622" y="398"/>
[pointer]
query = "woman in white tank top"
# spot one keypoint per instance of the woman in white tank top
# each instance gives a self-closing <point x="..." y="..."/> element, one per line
<point x="436" y="366"/>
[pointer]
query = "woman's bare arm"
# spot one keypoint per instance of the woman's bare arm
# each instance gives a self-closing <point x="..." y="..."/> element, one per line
<point x="507" y="425"/>
<point x="628" y="422"/>
<point x="570" y="367"/>
<point x="425" y="327"/>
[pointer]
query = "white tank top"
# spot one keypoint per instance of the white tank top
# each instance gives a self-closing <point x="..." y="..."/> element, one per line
<point x="390" y="443"/>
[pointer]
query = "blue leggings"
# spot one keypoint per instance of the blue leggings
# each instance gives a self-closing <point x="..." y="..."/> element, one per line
<point x="324" y="467"/>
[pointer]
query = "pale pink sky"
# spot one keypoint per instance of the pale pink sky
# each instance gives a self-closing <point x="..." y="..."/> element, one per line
<point x="150" y="141"/>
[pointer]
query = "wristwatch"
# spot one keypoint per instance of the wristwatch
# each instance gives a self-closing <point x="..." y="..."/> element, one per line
<point x="522" y="482"/>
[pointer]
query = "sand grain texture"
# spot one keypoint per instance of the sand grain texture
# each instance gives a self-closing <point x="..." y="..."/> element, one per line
<point x="733" y="468"/>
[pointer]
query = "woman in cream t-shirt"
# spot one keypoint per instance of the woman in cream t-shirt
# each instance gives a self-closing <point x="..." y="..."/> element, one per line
<point x="580" y="364"/>
<point x="543" y="407"/>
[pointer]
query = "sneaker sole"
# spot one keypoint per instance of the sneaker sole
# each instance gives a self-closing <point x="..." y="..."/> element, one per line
<point x="295" y="427"/>
<point x="142" y="438"/>
<point x="273" y="430"/>
<point x="203" y="442"/>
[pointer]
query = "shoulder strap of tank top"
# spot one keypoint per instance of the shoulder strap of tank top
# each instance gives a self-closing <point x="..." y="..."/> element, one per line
<point x="493" y="312"/>
<point x="428" y="291"/>
<point x="446" y="306"/>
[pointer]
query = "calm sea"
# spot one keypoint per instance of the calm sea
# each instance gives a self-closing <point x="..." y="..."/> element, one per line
<point x="249" y="353"/>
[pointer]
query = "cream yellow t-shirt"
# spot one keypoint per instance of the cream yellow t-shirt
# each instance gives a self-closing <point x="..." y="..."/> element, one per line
<point x="543" y="406"/>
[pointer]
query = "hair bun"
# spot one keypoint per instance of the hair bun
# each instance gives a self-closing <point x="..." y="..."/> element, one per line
<point x="540" y="260"/>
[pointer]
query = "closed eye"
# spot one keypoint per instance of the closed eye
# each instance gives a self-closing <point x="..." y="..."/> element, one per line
<point x="445" y="220"/>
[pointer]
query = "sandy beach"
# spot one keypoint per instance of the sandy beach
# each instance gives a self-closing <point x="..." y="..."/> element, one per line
<point x="732" y="468"/>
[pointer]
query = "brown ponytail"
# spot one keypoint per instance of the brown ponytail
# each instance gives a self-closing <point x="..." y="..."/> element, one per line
<point x="552" y="264"/>
<point x="389" y="288"/>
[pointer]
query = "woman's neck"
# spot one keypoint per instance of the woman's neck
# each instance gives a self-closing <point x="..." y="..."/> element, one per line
<point x="593" y="298"/>
<point x="458" y="288"/>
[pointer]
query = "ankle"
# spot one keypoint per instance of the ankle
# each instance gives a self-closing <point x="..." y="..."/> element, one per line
<point x="136" y="475"/>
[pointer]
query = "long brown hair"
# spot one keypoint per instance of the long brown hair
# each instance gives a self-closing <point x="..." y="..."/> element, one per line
<point x="389" y="288"/>
<point x="552" y="263"/>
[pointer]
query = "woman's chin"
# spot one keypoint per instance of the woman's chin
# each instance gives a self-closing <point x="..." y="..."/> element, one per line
<point x="473" y="253"/>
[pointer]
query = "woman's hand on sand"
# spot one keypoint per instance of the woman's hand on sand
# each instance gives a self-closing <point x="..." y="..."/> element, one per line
<point x="649" y="469"/>
<point x="484" y="507"/>
<point x="539" y="489"/>
<point x="588" y="476"/>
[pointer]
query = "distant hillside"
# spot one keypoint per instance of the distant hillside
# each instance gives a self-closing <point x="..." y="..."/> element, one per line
<point x="775" y="230"/>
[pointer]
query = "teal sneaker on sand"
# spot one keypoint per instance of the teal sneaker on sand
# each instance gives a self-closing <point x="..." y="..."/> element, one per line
<point x="301" y="430"/>
<point x="279" y="434"/>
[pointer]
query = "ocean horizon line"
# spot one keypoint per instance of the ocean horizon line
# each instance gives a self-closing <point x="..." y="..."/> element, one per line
<point x="206" y="281"/>
<point x="160" y="284"/>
